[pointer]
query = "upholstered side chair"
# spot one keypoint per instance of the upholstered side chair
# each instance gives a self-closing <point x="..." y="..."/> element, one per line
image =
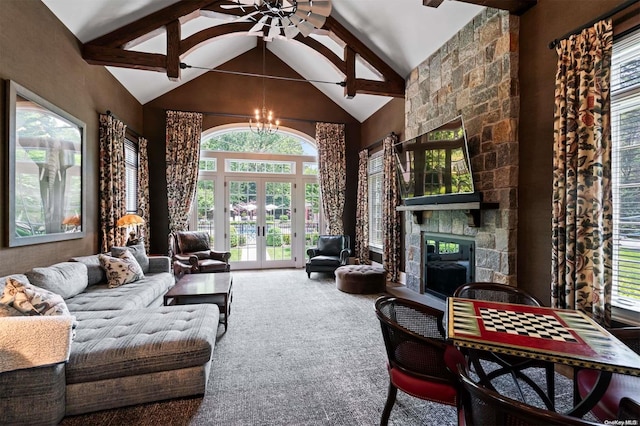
<point x="331" y="252"/>
<point x="191" y="253"/>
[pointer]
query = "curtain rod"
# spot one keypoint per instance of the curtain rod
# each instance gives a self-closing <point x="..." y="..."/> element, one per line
<point x="378" y="142"/>
<point x="591" y="23"/>
<point x="128" y="129"/>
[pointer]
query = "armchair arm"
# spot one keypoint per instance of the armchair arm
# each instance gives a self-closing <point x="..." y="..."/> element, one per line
<point x="33" y="341"/>
<point x="312" y="252"/>
<point x="344" y="256"/>
<point x="159" y="264"/>
<point x="223" y="256"/>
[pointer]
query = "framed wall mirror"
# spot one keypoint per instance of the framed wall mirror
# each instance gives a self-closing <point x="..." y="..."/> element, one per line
<point x="46" y="170"/>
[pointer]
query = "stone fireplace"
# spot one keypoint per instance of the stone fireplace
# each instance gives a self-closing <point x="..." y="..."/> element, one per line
<point x="475" y="74"/>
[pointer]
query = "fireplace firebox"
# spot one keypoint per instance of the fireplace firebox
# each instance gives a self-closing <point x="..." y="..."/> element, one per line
<point x="448" y="264"/>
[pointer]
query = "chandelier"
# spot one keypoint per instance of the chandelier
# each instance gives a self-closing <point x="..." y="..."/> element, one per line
<point x="264" y="123"/>
<point x="285" y="18"/>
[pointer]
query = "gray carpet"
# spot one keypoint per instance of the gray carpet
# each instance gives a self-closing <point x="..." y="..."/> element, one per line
<point x="297" y="352"/>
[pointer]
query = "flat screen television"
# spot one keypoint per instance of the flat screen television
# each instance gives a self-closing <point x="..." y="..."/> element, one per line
<point x="435" y="167"/>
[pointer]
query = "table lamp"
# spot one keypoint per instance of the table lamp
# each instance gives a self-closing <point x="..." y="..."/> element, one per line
<point x="131" y="222"/>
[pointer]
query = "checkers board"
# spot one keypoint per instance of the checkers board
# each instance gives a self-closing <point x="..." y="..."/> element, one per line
<point x="556" y="335"/>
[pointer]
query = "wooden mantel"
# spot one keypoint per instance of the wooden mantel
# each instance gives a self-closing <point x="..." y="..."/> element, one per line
<point x="472" y="209"/>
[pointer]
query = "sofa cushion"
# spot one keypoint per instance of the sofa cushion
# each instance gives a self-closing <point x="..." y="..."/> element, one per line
<point x="138" y="251"/>
<point x="330" y="245"/>
<point x="66" y="279"/>
<point x="95" y="273"/>
<point x="32" y="300"/>
<point x="135" y="295"/>
<point x="117" y="344"/>
<point x="121" y="270"/>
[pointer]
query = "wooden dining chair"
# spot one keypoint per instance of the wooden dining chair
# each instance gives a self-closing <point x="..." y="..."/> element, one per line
<point x="483" y="406"/>
<point x="509" y="364"/>
<point x="419" y="359"/>
<point x="620" y="386"/>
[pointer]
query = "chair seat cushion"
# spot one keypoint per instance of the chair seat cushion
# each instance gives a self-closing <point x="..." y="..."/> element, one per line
<point x="211" y="265"/>
<point x="325" y="260"/>
<point x="442" y="393"/>
<point x="620" y="386"/>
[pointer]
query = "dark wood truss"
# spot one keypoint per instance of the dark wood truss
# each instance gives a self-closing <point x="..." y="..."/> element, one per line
<point x="515" y="7"/>
<point x="112" y="49"/>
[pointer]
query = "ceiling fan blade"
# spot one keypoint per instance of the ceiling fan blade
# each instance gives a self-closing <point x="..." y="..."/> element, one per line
<point x="246" y="17"/>
<point x="258" y="26"/>
<point x="290" y="30"/>
<point x="320" y="7"/>
<point x="304" y="27"/>
<point x="313" y="18"/>
<point x="274" y="31"/>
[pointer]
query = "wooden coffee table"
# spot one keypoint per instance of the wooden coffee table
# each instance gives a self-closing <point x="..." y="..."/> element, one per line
<point x="203" y="288"/>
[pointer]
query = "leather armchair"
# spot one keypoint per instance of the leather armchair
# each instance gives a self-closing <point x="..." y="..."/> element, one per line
<point x="191" y="253"/>
<point x="331" y="252"/>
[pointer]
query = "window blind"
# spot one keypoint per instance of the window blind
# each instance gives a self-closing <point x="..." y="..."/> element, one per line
<point x="625" y="126"/>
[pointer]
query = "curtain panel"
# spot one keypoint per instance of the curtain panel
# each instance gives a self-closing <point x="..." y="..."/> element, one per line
<point x="582" y="209"/>
<point x="112" y="182"/>
<point x="332" y="174"/>
<point x="143" y="190"/>
<point x="362" y="210"/>
<point x="183" y="132"/>
<point x="390" y="216"/>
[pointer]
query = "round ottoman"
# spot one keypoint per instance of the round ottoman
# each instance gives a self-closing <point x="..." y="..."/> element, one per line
<point x="361" y="279"/>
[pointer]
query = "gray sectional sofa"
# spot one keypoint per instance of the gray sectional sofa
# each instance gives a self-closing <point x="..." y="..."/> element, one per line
<point x="119" y="347"/>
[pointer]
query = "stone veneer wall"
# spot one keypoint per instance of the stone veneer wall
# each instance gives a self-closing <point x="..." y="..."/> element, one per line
<point x="475" y="74"/>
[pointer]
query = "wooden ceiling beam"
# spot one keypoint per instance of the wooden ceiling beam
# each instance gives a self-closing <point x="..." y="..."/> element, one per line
<point x="515" y="7"/>
<point x="109" y="50"/>
<point x="115" y="57"/>
<point x="432" y="3"/>
<point x="150" y="23"/>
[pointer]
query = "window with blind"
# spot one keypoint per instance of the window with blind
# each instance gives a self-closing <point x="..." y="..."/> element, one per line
<point x="131" y="174"/>
<point x="376" y="179"/>
<point x="625" y="126"/>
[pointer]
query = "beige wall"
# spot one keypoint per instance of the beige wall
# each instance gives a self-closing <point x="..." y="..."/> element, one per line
<point x="548" y="20"/>
<point x="39" y="53"/>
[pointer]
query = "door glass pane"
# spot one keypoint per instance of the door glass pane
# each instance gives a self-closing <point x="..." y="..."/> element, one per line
<point x="278" y="220"/>
<point x="243" y="198"/>
<point x="205" y="203"/>
<point x="311" y="214"/>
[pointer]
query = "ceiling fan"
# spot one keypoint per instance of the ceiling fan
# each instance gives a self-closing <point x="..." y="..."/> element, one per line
<point x="283" y="18"/>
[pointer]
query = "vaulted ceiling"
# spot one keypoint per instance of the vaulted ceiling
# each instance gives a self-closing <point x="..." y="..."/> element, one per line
<point x="369" y="46"/>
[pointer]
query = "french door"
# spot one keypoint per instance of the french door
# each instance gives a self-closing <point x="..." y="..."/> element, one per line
<point x="260" y="222"/>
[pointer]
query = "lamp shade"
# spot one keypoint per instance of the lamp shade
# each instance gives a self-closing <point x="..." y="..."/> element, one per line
<point x="128" y="220"/>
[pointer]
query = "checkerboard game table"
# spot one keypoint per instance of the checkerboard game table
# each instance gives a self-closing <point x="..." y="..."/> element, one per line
<point x="555" y="335"/>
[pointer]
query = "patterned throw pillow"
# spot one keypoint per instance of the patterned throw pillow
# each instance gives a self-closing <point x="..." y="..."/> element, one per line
<point x="139" y="253"/>
<point x="121" y="270"/>
<point x="32" y="300"/>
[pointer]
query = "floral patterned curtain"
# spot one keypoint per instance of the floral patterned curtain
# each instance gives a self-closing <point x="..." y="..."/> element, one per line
<point x="332" y="171"/>
<point x="113" y="204"/>
<point x="362" y="210"/>
<point x="390" y="216"/>
<point x="184" y="130"/>
<point x="143" y="189"/>
<point x="582" y="209"/>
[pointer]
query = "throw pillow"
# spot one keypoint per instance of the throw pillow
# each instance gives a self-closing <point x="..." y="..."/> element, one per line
<point x="121" y="270"/>
<point x="138" y="252"/>
<point x="66" y="279"/>
<point x="31" y="300"/>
